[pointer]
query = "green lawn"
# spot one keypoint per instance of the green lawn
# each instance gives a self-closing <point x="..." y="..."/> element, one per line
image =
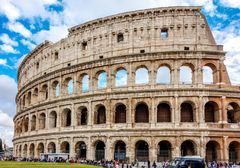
<point x="8" y="164"/>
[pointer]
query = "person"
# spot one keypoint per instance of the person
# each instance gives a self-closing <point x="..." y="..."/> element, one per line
<point x="154" y="164"/>
<point x="149" y="164"/>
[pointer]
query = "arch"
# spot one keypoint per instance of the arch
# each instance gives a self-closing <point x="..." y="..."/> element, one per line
<point x="81" y="150"/>
<point x="234" y="151"/>
<point x="233" y="112"/>
<point x="55" y="89"/>
<point x="31" y="150"/>
<point x="44" y="92"/>
<point x="66" y="117"/>
<point x="65" y="147"/>
<point x="35" y="95"/>
<point x="100" y="115"/>
<point x="33" y="123"/>
<point x="163" y="113"/>
<point x="211" y="112"/>
<point x="20" y="151"/>
<point x="24" y="101"/>
<point x="53" y="119"/>
<point x="67" y="87"/>
<point x="25" y="151"/>
<point x="141" y="113"/>
<point x="187" y="112"/>
<point x="188" y="147"/>
<point x="121" y="77"/>
<point x="141" y="151"/>
<point x="85" y="83"/>
<point x="102" y="80"/>
<point x="99" y="150"/>
<point x="120" y="113"/>
<point x="29" y="98"/>
<point x="42" y="121"/>
<point x="207" y="74"/>
<point x="141" y="76"/>
<point x="51" y="147"/>
<point x="163" y="75"/>
<point x="25" y="124"/>
<point x="213" y="151"/>
<point x="120" y="151"/>
<point x="165" y="151"/>
<point x="82" y="116"/>
<point x="186" y="75"/>
<point x="40" y="148"/>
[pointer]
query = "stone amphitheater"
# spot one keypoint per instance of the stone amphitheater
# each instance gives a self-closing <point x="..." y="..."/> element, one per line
<point x="142" y="85"/>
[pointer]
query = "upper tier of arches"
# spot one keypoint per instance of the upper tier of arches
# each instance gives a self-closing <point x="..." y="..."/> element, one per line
<point x="165" y="75"/>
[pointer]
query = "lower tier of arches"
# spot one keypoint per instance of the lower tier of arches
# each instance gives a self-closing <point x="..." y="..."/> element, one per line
<point x="131" y="148"/>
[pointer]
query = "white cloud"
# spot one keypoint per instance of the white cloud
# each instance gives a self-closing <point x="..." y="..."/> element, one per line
<point x="231" y="3"/>
<point x="8" y="90"/>
<point x="8" y="9"/>
<point x="54" y="34"/>
<point x="5" y="39"/>
<point x="3" y="62"/>
<point x="5" y="120"/>
<point x="8" y="49"/>
<point x="18" y="61"/>
<point x="29" y="44"/>
<point x="19" y="28"/>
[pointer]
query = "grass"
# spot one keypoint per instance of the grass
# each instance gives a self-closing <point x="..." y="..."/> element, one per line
<point x="11" y="164"/>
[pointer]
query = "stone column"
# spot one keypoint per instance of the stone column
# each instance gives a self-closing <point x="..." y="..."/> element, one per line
<point x="224" y="111"/>
<point x="176" y="111"/>
<point x="72" y="148"/>
<point x="90" y="113"/>
<point x="225" y="149"/>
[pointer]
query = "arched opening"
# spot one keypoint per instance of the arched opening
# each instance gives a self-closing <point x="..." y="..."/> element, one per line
<point x="65" y="147"/>
<point x="85" y="83"/>
<point x="120" y="151"/>
<point x="42" y="121"/>
<point x="33" y="123"/>
<point x="100" y="115"/>
<point x="120" y="114"/>
<point x="102" y="80"/>
<point x="211" y="112"/>
<point x="234" y="152"/>
<point x="67" y="86"/>
<point x="51" y="147"/>
<point x="82" y="116"/>
<point x="141" y="76"/>
<point x="55" y="89"/>
<point x="212" y="151"/>
<point x="207" y="75"/>
<point x="233" y="112"/>
<point x="165" y="152"/>
<point x="31" y="150"/>
<point x="163" y="113"/>
<point x="188" y="148"/>
<point x="142" y="151"/>
<point x="100" y="150"/>
<point x="25" y="151"/>
<point x="40" y="149"/>
<point x="66" y="117"/>
<point x="185" y="75"/>
<point x="81" y="150"/>
<point x="70" y="87"/>
<point x="29" y="98"/>
<point x="35" y="95"/>
<point x="20" y="151"/>
<point x="44" y="92"/>
<point x="24" y="101"/>
<point x="121" y="78"/>
<point x="53" y="119"/>
<point x="187" y="112"/>
<point x="163" y="75"/>
<point x="25" y="124"/>
<point x="141" y="113"/>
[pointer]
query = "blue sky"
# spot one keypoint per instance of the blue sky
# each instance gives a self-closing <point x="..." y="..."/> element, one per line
<point x="26" y="23"/>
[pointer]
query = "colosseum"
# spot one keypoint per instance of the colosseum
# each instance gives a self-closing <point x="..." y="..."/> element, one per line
<point x="142" y="85"/>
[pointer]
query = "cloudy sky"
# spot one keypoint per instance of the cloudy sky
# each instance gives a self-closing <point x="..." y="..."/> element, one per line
<point x="26" y="23"/>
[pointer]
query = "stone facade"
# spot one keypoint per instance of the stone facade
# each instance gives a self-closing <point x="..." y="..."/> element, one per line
<point x="155" y="114"/>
